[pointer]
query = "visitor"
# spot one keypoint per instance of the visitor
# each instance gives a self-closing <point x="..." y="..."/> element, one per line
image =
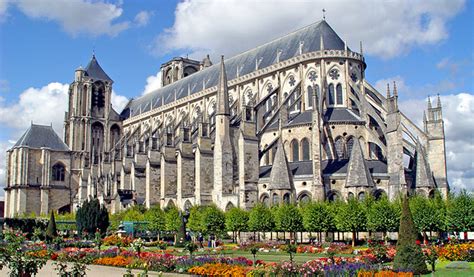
<point x="213" y="241"/>
<point x="200" y="240"/>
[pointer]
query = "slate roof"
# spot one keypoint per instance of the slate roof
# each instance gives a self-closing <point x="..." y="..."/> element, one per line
<point x="94" y="71"/>
<point x="329" y="167"/>
<point x="38" y="136"/>
<point x="281" y="175"/>
<point x="266" y="54"/>
<point x="335" y="115"/>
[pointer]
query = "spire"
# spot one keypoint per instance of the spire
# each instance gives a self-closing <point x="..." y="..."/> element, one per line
<point x="357" y="171"/>
<point x="321" y="42"/>
<point x="281" y="176"/>
<point x="429" y="102"/>
<point x="222" y="92"/>
<point x="345" y="45"/>
<point x="438" y="102"/>
<point x="424" y="117"/>
<point x="388" y="90"/>
<point x="395" y="92"/>
<point x="361" y="50"/>
<point x="93" y="70"/>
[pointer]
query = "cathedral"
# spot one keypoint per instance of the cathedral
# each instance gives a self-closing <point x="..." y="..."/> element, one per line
<point x="289" y="121"/>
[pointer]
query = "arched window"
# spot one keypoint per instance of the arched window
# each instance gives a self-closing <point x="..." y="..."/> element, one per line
<point x="339" y="94"/>
<point x="97" y="138"/>
<point x="304" y="198"/>
<point x="286" y="198"/>
<point x="58" y="172"/>
<point x="361" y="196"/>
<point x="114" y="134"/>
<point x="350" y="196"/>
<point x="274" y="150"/>
<point x="339" y="144"/>
<point x="309" y="97"/>
<point x="266" y="200"/>
<point x="305" y="149"/>
<point x="333" y="196"/>
<point x="350" y="144"/>
<point x="295" y="150"/>
<point x="331" y="94"/>
<point x="276" y="199"/>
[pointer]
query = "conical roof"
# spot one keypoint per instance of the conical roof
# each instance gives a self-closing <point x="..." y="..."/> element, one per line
<point x="94" y="71"/>
<point x="281" y="176"/>
<point x="358" y="174"/>
<point x="38" y="136"/>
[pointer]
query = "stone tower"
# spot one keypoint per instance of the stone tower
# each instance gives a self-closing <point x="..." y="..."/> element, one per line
<point x="436" y="149"/>
<point x="91" y="126"/>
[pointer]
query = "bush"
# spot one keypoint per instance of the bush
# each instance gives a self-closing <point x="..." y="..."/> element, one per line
<point x="409" y="256"/>
<point x="92" y="216"/>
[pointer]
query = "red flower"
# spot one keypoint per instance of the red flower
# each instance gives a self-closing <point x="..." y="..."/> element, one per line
<point x="54" y="256"/>
<point x="418" y="242"/>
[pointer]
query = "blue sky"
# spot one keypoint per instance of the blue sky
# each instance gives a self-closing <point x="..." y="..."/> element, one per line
<point x="426" y="46"/>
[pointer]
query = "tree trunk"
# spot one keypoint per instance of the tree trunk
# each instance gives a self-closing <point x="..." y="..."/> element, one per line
<point x="353" y="238"/>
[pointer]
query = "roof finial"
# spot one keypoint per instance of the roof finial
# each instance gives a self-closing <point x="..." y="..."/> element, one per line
<point x="429" y="102"/>
<point x="361" y="51"/>
<point x="388" y="90"/>
<point x="324" y="14"/>
<point x="395" y="92"/>
<point x="438" y="102"/>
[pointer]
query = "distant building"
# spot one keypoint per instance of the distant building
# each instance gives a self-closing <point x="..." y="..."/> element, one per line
<point x="289" y="121"/>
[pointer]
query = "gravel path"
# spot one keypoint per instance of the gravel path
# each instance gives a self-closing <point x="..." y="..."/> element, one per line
<point x="94" y="270"/>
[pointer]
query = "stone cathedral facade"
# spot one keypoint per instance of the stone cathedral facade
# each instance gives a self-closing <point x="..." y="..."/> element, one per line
<point x="289" y="121"/>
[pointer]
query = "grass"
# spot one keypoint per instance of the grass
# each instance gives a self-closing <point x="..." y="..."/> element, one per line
<point x="442" y="271"/>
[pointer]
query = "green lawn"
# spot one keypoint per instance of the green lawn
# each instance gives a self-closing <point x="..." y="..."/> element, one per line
<point x="442" y="271"/>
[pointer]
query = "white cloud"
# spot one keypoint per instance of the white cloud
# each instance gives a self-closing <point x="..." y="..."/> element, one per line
<point x="381" y="85"/>
<point x="142" y="18"/>
<point x="77" y="16"/>
<point x="152" y="83"/>
<point x="387" y="29"/>
<point x="118" y="101"/>
<point x="458" y="115"/>
<point x="44" y="105"/>
<point x="3" y="9"/>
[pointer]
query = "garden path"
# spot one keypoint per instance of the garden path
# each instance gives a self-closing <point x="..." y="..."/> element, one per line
<point x="93" y="271"/>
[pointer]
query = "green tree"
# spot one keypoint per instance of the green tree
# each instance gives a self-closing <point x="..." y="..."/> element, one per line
<point x="195" y="220"/>
<point x="288" y="219"/>
<point x="351" y="217"/>
<point x="173" y="219"/>
<point x="260" y="219"/>
<point x="424" y="216"/>
<point x="135" y="213"/>
<point x="409" y="255"/>
<point x="51" y="231"/>
<point x="92" y="216"/>
<point x="213" y="220"/>
<point x="460" y="212"/>
<point x="317" y="217"/>
<point x="382" y="216"/>
<point x="236" y="220"/>
<point x="155" y="217"/>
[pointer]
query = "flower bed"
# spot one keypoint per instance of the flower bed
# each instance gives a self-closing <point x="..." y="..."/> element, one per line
<point x="219" y="270"/>
<point x="457" y="252"/>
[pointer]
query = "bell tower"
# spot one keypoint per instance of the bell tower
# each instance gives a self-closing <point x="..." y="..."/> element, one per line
<point x="87" y="118"/>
